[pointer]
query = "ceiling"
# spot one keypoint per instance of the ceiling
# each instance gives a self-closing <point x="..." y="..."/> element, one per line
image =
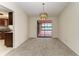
<point x="35" y="8"/>
<point x="4" y="11"/>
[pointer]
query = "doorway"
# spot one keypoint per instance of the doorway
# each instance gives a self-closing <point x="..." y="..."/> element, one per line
<point x="6" y="30"/>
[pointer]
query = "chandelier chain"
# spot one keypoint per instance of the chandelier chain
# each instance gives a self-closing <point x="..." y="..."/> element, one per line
<point x="43" y="6"/>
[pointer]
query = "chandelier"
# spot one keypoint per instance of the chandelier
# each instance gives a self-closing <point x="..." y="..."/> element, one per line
<point x="43" y="15"/>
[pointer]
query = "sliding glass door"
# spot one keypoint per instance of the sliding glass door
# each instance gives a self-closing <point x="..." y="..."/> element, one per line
<point x="45" y="29"/>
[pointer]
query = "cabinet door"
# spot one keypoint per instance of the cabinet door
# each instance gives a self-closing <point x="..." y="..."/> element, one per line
<point x="3" y="22"/>
<point x="2" y="36"/>
<point x="9" y="39"/>
<point x="10" y="18"/>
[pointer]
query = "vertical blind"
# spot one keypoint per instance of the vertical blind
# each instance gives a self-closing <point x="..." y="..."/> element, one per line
<point x="45" y="29"/>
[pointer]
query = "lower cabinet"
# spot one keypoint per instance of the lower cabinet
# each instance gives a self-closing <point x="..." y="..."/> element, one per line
<point x="9" y="39"/>
<point x="2" y="36"/>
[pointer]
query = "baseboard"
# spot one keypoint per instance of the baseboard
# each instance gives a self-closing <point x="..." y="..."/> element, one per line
<point x="68" y="46"/>
<point x="7" y="52"/>
<point x="55" y="38"/>
<point x="32" y="37"/>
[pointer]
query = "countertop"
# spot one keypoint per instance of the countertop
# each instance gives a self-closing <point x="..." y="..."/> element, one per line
<point x="9" y="32"/>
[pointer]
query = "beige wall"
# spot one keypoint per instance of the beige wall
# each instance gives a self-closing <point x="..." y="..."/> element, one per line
<point x="69" y="26"/>
<point x="20" y="20"/>
<point x="33" y="27"/>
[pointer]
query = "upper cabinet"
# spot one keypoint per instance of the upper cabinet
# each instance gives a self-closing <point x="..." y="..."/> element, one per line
<point x="3" y="22"/>
<point x="6" y="19"/>
<point x="10" y="18"/>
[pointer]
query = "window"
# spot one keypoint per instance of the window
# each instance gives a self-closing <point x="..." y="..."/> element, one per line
<point x="45" y="29"/>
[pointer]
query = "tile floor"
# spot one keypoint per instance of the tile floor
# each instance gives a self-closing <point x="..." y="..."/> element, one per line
<point x="42" y="47"/>
<point x="3" y="48"/>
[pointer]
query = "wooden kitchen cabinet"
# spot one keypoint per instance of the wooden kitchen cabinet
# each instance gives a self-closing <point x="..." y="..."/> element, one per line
<point x="10" y="18"/>
<point x="3" y="22"/>
<point x="9" y="39"/>
<point x="1" y="36"/>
